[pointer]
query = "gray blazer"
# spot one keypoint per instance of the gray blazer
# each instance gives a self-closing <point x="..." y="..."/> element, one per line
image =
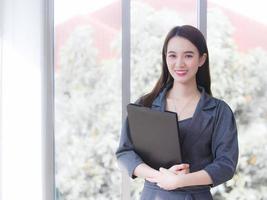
<point x="212" y="144"/>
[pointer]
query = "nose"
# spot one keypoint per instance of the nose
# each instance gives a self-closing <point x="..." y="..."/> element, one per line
<point x="179" y="62"/>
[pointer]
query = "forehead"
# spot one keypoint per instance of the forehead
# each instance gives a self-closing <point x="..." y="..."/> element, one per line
<point x="180" y="44"/>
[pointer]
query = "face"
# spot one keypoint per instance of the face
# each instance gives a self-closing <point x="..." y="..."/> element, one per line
<point x="183" y="60"/>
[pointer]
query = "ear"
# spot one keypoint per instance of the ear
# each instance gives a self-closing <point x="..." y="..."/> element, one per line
<point x="202" y="59"/>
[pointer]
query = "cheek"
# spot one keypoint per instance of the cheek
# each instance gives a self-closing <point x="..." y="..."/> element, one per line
<point x="193" y="63"/>
<point x="170" y="67"/>
<point x="170" y="62"/>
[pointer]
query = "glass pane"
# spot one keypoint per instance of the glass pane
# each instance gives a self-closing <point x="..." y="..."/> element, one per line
<point x="151" y="20"/>
<point x="87" y="99"/>
<point x="238" y="61"/>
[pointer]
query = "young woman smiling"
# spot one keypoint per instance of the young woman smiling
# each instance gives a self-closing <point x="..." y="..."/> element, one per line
<point x="207" y="125"/>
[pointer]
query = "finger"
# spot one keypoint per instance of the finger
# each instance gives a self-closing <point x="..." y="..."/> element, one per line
<point x="183" y="166"/>
<point x="165" y="171"/>
<point x="162" y="169"/>
<point x="184" y="171"/>
<point x="162" y="186"/>
<point x="186" y="165"/>
<point x="173" y="168"/>
<point x="179" y="167"/>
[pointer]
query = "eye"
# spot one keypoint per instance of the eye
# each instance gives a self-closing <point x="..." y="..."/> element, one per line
<point x="171" y="55"/>
<point x="188" y="56"/>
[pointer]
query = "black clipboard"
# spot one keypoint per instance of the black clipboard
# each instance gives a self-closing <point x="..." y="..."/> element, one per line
<point x="155" y="136"/>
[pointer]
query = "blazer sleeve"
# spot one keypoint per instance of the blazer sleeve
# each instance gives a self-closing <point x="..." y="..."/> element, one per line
<point x="125" y="153"/>
<point x="224" y="146"/>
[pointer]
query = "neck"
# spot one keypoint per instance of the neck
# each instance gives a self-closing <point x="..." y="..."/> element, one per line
<point x="181" y="91"/>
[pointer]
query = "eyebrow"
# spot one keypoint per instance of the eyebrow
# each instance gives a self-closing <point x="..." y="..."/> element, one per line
<point x="191" y="52"/>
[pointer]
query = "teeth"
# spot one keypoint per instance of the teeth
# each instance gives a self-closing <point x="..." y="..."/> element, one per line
<point x="181" y="71"/>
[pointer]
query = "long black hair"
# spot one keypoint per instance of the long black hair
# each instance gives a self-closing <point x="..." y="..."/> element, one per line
<point x="203" y="75"/>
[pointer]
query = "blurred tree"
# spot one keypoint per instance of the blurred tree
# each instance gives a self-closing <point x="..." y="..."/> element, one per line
<point x="87" y="114"/>
<point x="239" y="79"/>
<point x="233" y="77"/>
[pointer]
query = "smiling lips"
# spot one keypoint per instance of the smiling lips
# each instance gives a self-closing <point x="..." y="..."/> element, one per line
<point x="181" y="72"/>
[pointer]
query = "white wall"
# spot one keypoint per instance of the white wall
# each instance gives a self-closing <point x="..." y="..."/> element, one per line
<point x="21" y="145"/>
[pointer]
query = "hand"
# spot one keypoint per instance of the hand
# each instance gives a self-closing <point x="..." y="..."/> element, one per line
<point x="180" y="169"/>
<point x="166" y="179"/>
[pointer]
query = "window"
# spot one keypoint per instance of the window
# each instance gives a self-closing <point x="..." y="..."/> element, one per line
<point x="238" y="59"/>
<point x="87" y="99"/>
<point x="88" y="90"/>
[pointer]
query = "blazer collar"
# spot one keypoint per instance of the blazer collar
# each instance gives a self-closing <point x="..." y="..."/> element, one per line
<point x="200" y="120"/>
<point x="206" y="101"/>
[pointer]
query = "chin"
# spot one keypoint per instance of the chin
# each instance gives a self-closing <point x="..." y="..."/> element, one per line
<point x="183" y="81"/>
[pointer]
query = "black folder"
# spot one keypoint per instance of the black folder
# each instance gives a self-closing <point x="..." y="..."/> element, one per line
<point x="155" y="136"/>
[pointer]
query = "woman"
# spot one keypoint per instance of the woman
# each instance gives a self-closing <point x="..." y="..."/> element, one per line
<point x="207" y="125"/>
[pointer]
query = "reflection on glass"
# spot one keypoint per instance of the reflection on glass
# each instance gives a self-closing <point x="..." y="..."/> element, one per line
<point x="87" y="99"/>
<point x="238" y="56"/>
<point x="150" y="22"/>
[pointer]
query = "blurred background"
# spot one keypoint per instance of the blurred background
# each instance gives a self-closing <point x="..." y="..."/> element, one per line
<point x="88" y="90"/>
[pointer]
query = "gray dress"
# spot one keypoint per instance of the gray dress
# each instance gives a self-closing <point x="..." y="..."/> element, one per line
<point x="208" y="142"/>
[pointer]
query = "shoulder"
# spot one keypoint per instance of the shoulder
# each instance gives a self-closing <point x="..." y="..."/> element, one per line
<point x="222" y="105"/>
<point x="223" y="110"/>
<point x="216" y="106"/>
<point x="148" y="101"/>
<point x="212" y="103"/>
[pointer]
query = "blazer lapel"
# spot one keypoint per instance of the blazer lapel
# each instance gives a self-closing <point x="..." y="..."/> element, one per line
<point x="160" y="102"/>
<point x="200" y="121"/>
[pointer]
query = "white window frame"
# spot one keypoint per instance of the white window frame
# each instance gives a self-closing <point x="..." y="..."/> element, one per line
<point x="48" y="102"/>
